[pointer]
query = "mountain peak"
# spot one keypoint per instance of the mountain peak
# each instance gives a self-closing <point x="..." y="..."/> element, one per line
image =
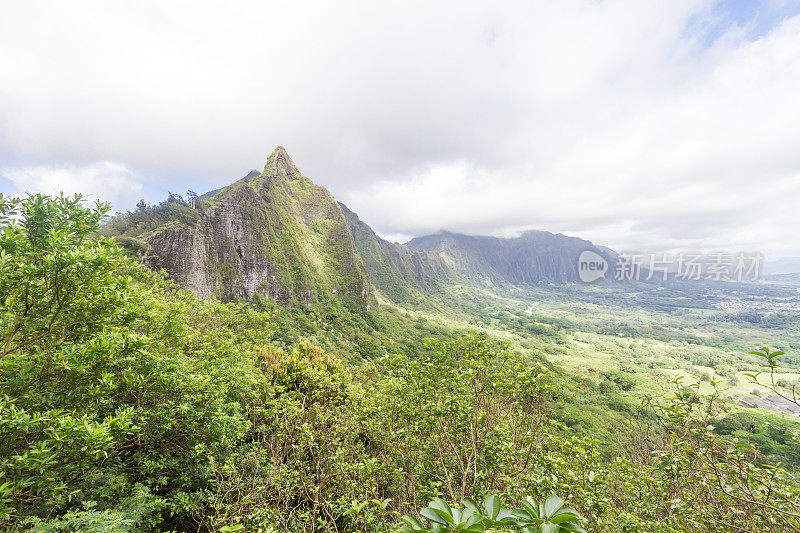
<point x="273" y="234"/>
<point x="280" y="165"/>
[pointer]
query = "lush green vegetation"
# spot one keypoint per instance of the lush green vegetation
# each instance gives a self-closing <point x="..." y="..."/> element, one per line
<point x="130" y="228"/>
<point x="129" y="404"/>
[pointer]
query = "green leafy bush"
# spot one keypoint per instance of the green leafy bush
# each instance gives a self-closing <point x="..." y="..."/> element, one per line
<point x="550" y="516"/>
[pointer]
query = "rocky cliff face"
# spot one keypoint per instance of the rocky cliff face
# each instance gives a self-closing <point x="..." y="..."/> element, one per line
<point x="274" y="234"/>
<point x="533" y="257"/>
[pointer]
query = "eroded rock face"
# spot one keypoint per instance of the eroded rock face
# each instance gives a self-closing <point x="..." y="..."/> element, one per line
<point x="277" y="235"/>
<point x="181" y="253"/>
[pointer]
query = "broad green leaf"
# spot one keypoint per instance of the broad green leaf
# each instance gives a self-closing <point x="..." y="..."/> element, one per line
<point x="565" y="515"/>
<point x="470" y="518"/>
<point x="413" y="523"/>
<point x="552" y="504"/>
<point x="549" y="527"/>
<point x="434" y="516"/>
<point x="471" y="504"/>
<point x="492" y="505"/>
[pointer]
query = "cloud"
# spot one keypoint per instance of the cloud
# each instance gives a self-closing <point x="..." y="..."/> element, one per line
<point x="639" y="124"/>
<point x="108" y="182"/>
<point x="706" y="161"/>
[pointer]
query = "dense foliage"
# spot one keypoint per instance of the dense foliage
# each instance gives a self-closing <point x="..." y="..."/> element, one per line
<point x="128" y="404"/>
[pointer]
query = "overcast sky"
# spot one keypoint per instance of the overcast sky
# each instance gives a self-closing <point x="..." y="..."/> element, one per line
<point x="652" y="126"/>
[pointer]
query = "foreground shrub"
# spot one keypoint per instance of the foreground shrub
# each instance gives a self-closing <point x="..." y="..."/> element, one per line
<point x="550" y="516"/>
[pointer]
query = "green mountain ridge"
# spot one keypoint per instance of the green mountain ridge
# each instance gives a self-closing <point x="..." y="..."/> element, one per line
<point x="278" y="235"/>
<point x="275" y="235"/>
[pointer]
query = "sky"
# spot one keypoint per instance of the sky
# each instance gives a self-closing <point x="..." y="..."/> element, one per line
<point x="643" y="126"/>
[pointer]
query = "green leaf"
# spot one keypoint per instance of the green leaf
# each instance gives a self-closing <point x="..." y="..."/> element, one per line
<point x="552" y="504"/>
<point x="565" y="515"/>
<point x="471" y="504"/>
<point x="531" y="506"/>
<point x="548" y="527"/>
<point x="411" y="521"/>
<point x="443" y="509"/>
<point x="504" y="517"/>
<point x="434" y="516"/>
<point x="492" y="505"/>
<point x="470" y="518"/>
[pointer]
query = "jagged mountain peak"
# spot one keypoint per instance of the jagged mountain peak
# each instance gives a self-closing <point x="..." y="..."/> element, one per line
<point x="280" y="165"/>
<point x="277" y="234"/>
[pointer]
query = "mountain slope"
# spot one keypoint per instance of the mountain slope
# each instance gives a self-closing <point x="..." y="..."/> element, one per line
<point x="275" y="234"/>
<point x="401" y="273"/>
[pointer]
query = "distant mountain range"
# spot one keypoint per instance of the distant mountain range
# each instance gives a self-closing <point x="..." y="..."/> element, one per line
<point x="533" y="257"/>
<point x="785" y="265"/>
<point x="278" y="235"/>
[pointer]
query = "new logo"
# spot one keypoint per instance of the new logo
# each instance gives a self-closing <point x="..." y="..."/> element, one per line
<point x="591" y="266"/>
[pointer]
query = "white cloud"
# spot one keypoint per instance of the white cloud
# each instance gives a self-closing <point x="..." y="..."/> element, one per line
<point x="108" y="182"/>
<point x="706" y="161"/>
<point x="622" y="120"/>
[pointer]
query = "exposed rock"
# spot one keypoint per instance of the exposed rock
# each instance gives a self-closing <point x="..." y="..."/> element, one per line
<point x="773" y="402"/>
